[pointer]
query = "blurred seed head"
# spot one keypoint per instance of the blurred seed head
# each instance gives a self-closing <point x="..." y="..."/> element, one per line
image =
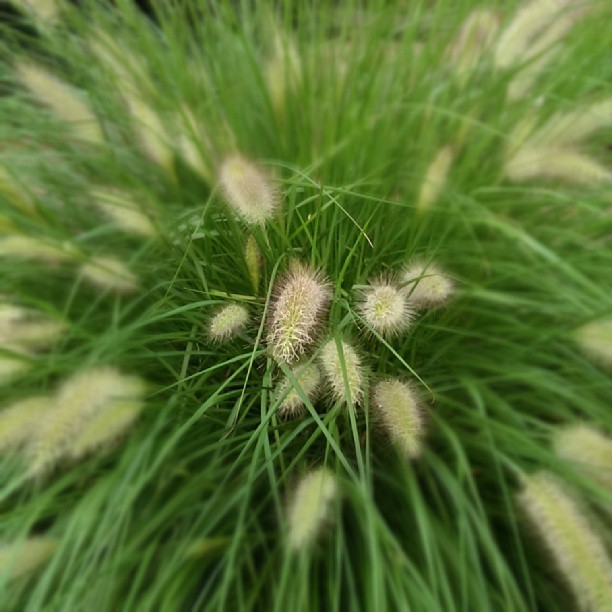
<point x="27" y="328"/>
<point x="228" y="322"/>
<point x="310" y="507"/>
<point x="397" y="405"/>
<point x="575" y="548"/>
<point x="344" y="373"/>
<point x="19" y="421"/>
<point x="435" y="178"/>
<point x="474" y="39"/>
<point x="595" y="339"/>
<point x="254" y="261"/>
<point x="30" y="248"/>
<point x="109" y="274"/>
<point x="248" y="189"/>
<point x="308" y="377"/>
<point x="384" y="308"/>
<point x="20" y="558"/>
<point x="425" y="285"/>
<point x="120" y="208"/>
<point x="297" y="313"/>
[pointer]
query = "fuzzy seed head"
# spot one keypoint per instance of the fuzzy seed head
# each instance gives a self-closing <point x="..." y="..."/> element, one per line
<point x="435" y="178"/>
<point x="426" y="286"/>
<point x="28" y="329"/>
<point x="44" y="11"/>
<point x="589" y="449"/>
<point x="575" y="548"/>
<point x="123" y="212"/>
<point x="299" y="308"/>
<point x="344" y="373"/>
<point x="595" y="339"/>
<point x="308" y="377"/>
<point x="398" y="407"/>
<point x="310" y="507"/>
<point x="12" y="366"/>
<point x="474" y="39"/>
<point x="80" y="399"/>
<point x="385" y="308"/>
<point x="228" y="322"/>
<point x="65" y="101"/>
<point x="29" y="248"/>
<point x="18" y="559"/>
<point x="248" y="190"/>
<point x="109" y="274"/>
<point x="253" y="259"/>
<point x="19" y="421"/>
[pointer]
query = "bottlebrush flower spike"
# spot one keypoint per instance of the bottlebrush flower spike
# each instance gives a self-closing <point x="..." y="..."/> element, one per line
<point x="47" y="12"/>
<point x="297" y="312"/>
<point x="18" y="559"/>
<point x="81" y="399"/>
<point x="228" y="322"/>
<point x="282" y="71"/>
<point x="435" y="178"/>
<point x="28" y="329"/>
<point x="474" y="39"/>
<point x="109" y="274"/>
<point x="65" y="101"/>
<point x="589" y="449"/>
<point x="248" y="189"/>
<point x="426" y="285"/>
<point x="384" y="308"/>
<point x="126" y="215"/>
<point x="308" y="377"/>
<point x="19" y="421"/>
<point x="310" y="507"/>
<point x="253" y="259"/>
<point x="595" y="339"/>
<point x="579" y="554"/>
<point x="398" y="407"/>
<point x="29" y="248"/>
<point x="12" y="365"/>
<point x="344" y="373"/>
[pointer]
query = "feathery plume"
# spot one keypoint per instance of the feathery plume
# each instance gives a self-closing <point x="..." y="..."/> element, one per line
<point x="120" y="208"/>
<point x="106" y="427"/>
<point x="64" y="100"/>
<point x="32" y="248"/>
<point x="426" y="285"/>
<point x="398" y="406"/>
<point x="228" y="322"/>
<point x="308" y="377"/>
<point x="384" y="308"/>
<point x="310" y="507"/>
<point x="474" y="39"/>
<point x="435" y="178"/>
<point x="589" y="449"/>
<point x="80" y="401"/>
<point x="595" y="339"/>
<point x="253" y="259"/>
<point x="574" y="546"/>
<point x="28" y="329"/>
<point x="18" y="559"/>
<point x="300" y="305"/>
<point x="19" y="421"/>
<point x="248" y="189"/>
<point x="109" y="274"/>
<point x="344" y="373"/>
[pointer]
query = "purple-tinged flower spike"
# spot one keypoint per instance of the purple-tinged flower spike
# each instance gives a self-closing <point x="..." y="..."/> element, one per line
<point x="228" y="322"/>
<point x="308" y="377"/>
<point x="589" y="449"/>
<point x="21" y="558"/>
<point x="385" y="308"/>
<point x="574" y="547"/>
<point x="398" y="407"/>
<point x="426" y="285"/>
<point x="297" y="313"/>
<point x="249" y="190"/>
<point x="310" y="507"/>
<point x="344" y="373"/>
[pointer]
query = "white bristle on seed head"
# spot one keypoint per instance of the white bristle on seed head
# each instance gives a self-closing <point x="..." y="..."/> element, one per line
<point x="397" y="405"/>
<point x="81" y="398"/>
<point x="474" y="39"/>
<point x="344" y="373"/>
<point x="105" y="427"/>
<point x="65" y="101"/>
<point x="426" y="285"/>
<point x="384" y="308"/>
<point x="109" y="274"/>
<point x="248" y="189"/>
<point x="20" y="558"/>
<point x="435" y="178"/>
<point x="308" y="377"/>
<point x="575" y="548"/>
<point x="595" y="339"/>
<point x="27" y="328"/>
<point x="19" y="421"/>
<point x="228" y="322"/>
<point x="589" y="449"/>
<point x="297" y="312"/>
<point x="310" y="507"/>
